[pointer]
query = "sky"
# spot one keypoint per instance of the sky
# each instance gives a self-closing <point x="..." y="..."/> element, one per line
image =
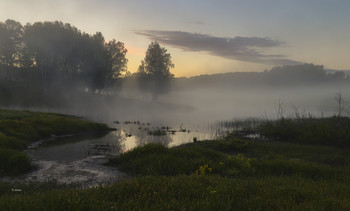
<point x="208" y="36"/>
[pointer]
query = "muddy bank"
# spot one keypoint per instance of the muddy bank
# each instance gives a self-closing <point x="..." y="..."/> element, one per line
<point x="83" y="173"/>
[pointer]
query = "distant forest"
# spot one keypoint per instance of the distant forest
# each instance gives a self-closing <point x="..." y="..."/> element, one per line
<point x="279" y="76"/>
<point x="49" y="63"/>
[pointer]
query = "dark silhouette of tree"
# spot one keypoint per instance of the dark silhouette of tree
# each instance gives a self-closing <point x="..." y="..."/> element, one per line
<point x="117" y="61"/>
<point x="94" y="62"/>
<point x="154" y="72"/>
<point x="49" y="47"/>
<point x="10" y="44"/>
<point x="56" y="59"/>
<point x="64" y="55"/>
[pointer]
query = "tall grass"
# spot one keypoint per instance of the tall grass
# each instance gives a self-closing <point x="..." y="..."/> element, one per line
<point x="303" y="129"/>
<point x="333" y="131"/>
<point x="249" y="125"/>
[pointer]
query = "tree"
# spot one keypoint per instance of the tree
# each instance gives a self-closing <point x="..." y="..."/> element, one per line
<point x="65" y="56"/>
<point x="117" y="62"/>
<point x="154" y="71"/>
<point x="10" y="44"/>
<point x="50" y="48"/>
<point x="58" y="58"/>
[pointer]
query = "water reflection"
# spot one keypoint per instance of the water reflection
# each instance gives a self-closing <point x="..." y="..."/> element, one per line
<point x="72" y="149"/>
<point x="139" y="134"/>
<point x="126" y="137"/>
<point x="71" y="160"/>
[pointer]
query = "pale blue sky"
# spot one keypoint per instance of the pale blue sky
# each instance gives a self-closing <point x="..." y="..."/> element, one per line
<point x="258" y="34"/>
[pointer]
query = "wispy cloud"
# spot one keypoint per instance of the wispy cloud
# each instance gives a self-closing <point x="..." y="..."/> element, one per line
<point x="250" y="49"/>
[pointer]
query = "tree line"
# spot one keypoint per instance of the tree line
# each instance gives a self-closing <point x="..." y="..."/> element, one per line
<point x="57" y="56"/>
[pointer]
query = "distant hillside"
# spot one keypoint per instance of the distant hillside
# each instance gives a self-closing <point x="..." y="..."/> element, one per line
<point x="306" y="74"/>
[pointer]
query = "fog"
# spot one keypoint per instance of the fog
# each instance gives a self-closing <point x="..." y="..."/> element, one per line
<point x="203" y="102"/>
<point x="55" y="67"/>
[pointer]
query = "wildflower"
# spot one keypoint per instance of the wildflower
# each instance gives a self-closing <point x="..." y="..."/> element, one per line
<point x="203" y="169"/>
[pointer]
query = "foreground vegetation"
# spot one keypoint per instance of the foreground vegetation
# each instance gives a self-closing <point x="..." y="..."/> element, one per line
<point x="190" y="193"/>
<point x="20" y="128"/>
<point x="224" y="174"/>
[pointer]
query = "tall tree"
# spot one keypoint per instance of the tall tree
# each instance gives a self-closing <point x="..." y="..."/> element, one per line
<point x="49" y="47"/>
<point x="155" y="70"/>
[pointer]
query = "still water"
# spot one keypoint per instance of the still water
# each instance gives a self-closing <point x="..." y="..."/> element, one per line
<point x="79" y="160"/>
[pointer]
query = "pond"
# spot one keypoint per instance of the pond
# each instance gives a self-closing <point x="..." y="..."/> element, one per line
<point x="78" y="160"/>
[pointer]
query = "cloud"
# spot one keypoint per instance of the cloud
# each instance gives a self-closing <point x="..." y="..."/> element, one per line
<point x="249" y="49"/>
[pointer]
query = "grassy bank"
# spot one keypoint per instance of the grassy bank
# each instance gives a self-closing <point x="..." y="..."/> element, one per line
<point x="20" y="128"/>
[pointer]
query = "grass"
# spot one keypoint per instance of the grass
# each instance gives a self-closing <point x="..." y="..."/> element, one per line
<point x="224" y="175"/>
<point x="32" y="126"/>
<point x="237" y="174"/>
<point x="155" y="159"/>
<point x="189" y="193"/>
<point x="227" y="174"/>
<point x="20" y="128"/>
<point x="237" y="158"/>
